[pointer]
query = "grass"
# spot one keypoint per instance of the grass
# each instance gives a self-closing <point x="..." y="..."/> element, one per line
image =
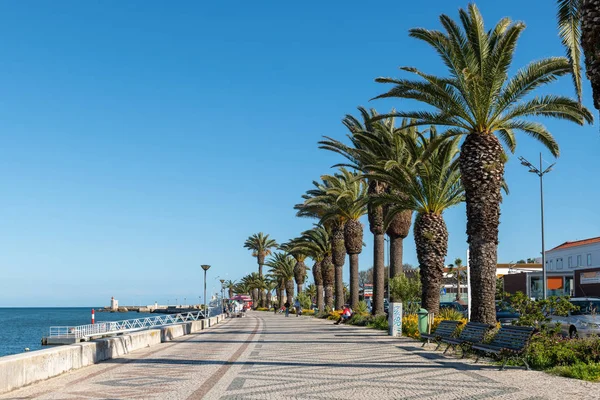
<point x="586" y="372"/>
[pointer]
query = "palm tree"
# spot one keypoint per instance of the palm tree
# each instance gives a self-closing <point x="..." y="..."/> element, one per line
<point x="456" y="269"/>
<point x="350" y="193"/>
<point x="431" y="187"/>
<point x="271" y="285"/>
<point x="318" y="204"/>
<point x="282" y="270"/>
<point x="372" y="142"/>
<point x="260" y="245"/>
<point x="479" y="102"/>
<point x="230" y="286"/>
<point x="316" y="243"/>
<point x="311" y="291"/>
<point x="299" y="254"/>
<point x="579" y="30"/>
<point x="254" y="284"/>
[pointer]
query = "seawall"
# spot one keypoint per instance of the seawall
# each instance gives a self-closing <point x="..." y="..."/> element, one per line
<point x="23" y="369"/>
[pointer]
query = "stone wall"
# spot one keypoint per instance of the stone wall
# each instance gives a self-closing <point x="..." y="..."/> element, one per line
<point x="24" y="369"/>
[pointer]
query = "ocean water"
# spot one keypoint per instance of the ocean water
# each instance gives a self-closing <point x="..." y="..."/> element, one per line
<point x="25" y="327"/>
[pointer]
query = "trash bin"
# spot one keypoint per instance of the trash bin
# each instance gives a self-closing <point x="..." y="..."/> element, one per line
<point x="423" y="320"/>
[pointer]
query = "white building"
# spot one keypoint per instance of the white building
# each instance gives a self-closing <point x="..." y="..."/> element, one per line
<point x="569" y="256"/>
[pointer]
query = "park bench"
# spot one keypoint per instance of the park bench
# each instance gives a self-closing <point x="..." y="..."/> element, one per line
<point x="510" y="342"/>
<point x="472" y="333"/>
<point x="445" y="329"/>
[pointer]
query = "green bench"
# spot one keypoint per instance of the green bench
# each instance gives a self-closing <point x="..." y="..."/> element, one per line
<point x="446" y="329"/>
<point x="472" y="333"/>
<point x="510" y="342"/>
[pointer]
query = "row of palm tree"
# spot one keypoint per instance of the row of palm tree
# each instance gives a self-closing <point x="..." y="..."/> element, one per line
<point x="439" y="156"/>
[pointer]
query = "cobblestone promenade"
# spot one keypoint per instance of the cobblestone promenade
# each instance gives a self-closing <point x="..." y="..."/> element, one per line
<point x="266" y="356"/>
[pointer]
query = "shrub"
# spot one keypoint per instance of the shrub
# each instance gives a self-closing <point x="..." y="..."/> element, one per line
<point x="537" y="312"/>
<point x="410" y="325"/>
<point x="308" y="312"/>
<point x="362" y="308"/>
<point x="335" y="315"/>
<point x="586" y="372"/>
<point x="379" y="322"/>
<point x="451" y="314"/>
<point x="360" y="319"/>
<point x="305" y="300"/>
<point x="262" y="309"/>
<point x="406" y="290"/>
<point x="548" y="350"/>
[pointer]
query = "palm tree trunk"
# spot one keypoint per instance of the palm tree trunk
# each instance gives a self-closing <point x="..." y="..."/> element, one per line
<point x="431" y="239"/>
<point x="378" y="273"/>
<point x="338" y="256"/>
<point x="268" y="299"/>
<point x="354" y="281"/>
<point x="590" y="42"/>
<point x="299" y="288"/>
<point x="482" y="172"/>
<point x="280" y="296"/>
<point x="328" y="273"/>
<point x="329" y="296"/>
<point x="397" y="231"/>
<point x="320" y="304"/>
<point x="289" y="291"/>
<point x="376" y="226"/>
<point x="254" y="299"/>
<point x="230" y="293"/>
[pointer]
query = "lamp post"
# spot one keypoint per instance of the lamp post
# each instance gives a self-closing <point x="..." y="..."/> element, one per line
<point x="540" y="172"/>
<point x="222" y="294"/>
<point x="205" y="268"/>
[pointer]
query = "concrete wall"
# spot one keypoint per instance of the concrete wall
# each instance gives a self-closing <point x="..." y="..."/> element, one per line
<point x="24" y="369"/>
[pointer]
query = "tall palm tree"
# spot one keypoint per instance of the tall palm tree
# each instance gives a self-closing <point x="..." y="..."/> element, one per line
<point x="456" y="269"/>
<point x="579" y="30"/>
<point x="299" y="253"/>
<point x="317" y="245"/>
<point x="372" y="142"/>
<point x="478" y="101"/>
<point x="282" y="270"/>
<point x="230" y="286"/>
<point x="350" y="194"/>
<point x="318" y="204"/>
<point x="260" y="245"/>
<point x="431" y="187"/>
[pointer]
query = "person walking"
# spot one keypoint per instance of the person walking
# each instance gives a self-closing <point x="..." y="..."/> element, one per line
<point x="287" y="308"/>
<point x="298" y="307"/>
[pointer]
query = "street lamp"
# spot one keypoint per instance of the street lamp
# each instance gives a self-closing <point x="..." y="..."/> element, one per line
<point x="540" y="172"/>
<point x="205" y="268"/>
<point x="222" y="294"/>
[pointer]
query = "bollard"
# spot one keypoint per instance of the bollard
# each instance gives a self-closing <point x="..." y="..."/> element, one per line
<point x="93" y="316"/>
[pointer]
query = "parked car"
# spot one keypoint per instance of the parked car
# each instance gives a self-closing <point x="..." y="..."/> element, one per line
<point x="455" y="306"/>
<point x="583" y="322"/>
<point x="505" y="314"/>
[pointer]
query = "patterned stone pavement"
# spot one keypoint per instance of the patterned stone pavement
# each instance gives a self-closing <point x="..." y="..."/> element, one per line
<point x="266" y="356"/>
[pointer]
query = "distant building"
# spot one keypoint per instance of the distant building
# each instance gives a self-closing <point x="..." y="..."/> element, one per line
<point x="572" y="269"/>
<point x="114" y="304"/>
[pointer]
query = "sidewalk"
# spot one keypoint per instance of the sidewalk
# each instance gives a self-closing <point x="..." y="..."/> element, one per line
<point x="266" y="356"/>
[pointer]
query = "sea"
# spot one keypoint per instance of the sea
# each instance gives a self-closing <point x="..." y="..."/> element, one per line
<point x="22" y="328"/>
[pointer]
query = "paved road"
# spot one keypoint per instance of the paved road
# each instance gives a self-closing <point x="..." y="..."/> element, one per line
<point x="266" y="356"/>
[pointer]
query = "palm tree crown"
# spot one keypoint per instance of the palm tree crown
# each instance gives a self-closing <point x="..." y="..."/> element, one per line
<point x="260" y="245"/>
<point x="478" y="97"/>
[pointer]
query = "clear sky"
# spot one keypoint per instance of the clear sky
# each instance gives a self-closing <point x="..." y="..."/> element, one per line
<point x="141" y="139"/>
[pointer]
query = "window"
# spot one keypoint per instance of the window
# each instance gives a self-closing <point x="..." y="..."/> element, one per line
<point x="589" y="260"/>
<point x="570" y="262"/>
<point x="579" y="261"/>
<point x="559" y="263"/>
<point x="550" y="265"/>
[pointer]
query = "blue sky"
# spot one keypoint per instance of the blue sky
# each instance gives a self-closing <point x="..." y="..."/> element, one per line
<point x="141" y="139"/>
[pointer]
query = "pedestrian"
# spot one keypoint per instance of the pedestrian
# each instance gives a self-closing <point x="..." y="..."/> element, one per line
<point x="346" y="315"/>
<point x="287" y="308"/>
<point x="298" y="307"/>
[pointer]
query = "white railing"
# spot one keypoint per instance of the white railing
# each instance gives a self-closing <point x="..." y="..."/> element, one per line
<point x="114" y="327"/>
